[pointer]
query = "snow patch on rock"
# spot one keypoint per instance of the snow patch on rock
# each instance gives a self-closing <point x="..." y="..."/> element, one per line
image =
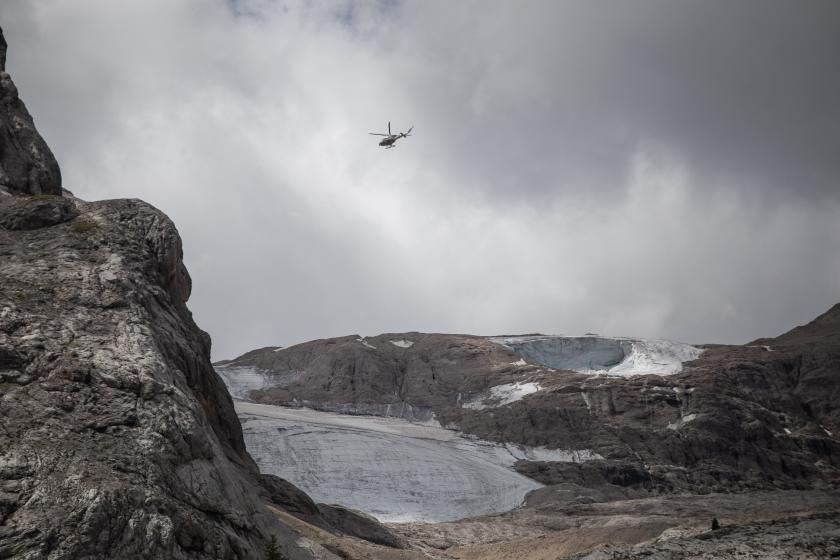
<point x="682" y="421"/>
<point x="524" y="453"/>
<point x="501" y="395"/>
<point x="586" y="401"/>
<point x="402" y="343"/>
<point x="365" y="343"/>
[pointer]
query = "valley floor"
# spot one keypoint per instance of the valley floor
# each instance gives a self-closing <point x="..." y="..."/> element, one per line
<point x="580" y="523"/>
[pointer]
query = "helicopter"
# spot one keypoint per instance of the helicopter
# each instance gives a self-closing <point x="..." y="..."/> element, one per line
<point x="390" y="139"/>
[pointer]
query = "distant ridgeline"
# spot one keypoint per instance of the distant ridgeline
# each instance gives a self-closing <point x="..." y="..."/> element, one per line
<point x="667" y="416"/>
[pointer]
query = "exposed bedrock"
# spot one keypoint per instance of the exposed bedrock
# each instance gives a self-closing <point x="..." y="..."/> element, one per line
<point x="117" y="439"/>
<point x="22" y="213"/>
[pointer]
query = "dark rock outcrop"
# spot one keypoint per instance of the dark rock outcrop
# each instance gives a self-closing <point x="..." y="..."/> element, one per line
<point x="117" y="438"/>
<point x="26" y="163"/>
<point x="289" y="497"/>
<point x="336" y="519"/>
<point x="593" y="474"/>
<point x="21" y="213"/>
<point x="350" y="522"/>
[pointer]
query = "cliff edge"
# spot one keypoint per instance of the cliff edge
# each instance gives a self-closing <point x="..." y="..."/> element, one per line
<point x="117" y="438"/>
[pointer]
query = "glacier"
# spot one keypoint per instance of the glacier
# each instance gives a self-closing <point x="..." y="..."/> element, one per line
<point x="501" y="395"/>
<point x="602" y="355"/>
<point x="395" y="470"/>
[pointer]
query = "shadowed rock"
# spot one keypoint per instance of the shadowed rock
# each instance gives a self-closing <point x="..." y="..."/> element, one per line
<point x="22" y="213"/>
<point x="334" y="518"/>
<point x="357" y="524"/>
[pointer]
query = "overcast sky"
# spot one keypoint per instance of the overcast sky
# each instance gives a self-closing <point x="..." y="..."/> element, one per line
<point x="655" y="168"/>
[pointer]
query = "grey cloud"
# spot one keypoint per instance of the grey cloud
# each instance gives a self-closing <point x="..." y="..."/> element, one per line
<point x="652" y="168"/>
<point x="746" y="94"/>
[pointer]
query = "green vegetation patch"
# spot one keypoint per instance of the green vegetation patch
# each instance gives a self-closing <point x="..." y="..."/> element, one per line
<point x="83" y="226"/>
<point x="37" y="197"/>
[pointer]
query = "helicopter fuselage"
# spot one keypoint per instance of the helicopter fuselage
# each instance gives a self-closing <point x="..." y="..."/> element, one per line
<point x="389" y="139"/>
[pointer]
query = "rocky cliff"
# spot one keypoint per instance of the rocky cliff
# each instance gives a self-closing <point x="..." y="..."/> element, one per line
<point x="117" y="438"/>
<point x="762" y="415"/>
<point x="26" y="163"/>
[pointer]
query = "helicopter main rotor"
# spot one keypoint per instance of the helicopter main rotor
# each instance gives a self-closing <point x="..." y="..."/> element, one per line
<point x="390" y="138"/>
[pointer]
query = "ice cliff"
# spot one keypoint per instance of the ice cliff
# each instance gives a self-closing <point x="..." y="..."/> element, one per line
<point x="603" y="355"/>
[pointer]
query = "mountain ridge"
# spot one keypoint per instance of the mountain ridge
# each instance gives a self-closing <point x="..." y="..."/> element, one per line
<point x="759" y="415"/>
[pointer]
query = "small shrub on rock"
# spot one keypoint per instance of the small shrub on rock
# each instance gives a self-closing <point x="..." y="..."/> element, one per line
<point x="272" y="550"/>
<point x="83" y="226"/>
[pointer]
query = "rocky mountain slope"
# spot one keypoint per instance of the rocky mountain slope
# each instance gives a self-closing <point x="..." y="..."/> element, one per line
<point x="117" y="438"/>
<point x="762" y="415"/>
<point x="643" y="443"/>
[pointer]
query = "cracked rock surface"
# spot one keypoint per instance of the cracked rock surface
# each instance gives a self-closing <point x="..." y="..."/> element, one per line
<point x="117" y="439"/>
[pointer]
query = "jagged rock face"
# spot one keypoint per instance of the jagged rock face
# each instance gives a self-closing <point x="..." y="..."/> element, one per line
<point x="117" y="438"/>
<point x="26" y="163"/>
<point x="736" y="417"/>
